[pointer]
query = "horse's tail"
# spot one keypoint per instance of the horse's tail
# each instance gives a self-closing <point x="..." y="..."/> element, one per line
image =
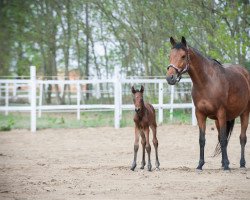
<point x="229" y="130"/>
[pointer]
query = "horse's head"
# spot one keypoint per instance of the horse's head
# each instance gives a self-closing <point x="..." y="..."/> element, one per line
<point x="138" y="98"/>
<point x="179" y="61"/>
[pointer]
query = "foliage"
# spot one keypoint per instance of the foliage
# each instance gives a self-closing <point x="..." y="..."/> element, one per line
<point x="97" y="36"/>
<point x="88" y="119"/>
<point x="6" y="124"/>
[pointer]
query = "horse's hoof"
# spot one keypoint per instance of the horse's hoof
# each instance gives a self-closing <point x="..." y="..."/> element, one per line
<point x="198" y="170"/>
<point x="149" y="168"/>
<point x="142" y="167"/>
<point x="227" y="169"/>
<point x="157" y="169"/>
<point x="242" y="167"/>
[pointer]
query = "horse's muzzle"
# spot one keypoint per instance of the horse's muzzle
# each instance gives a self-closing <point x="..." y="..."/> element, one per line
<point x="172" y="79"/>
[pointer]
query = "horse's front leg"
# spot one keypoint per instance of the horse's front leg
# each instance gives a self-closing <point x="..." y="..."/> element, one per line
<point x="148" y="147"/>
<point x="136" y="147"/>
<point x="201" y="118"/>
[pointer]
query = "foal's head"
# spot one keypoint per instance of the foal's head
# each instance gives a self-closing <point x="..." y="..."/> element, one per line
<point x="179" y="61"/>
<point x="138" y="98"/>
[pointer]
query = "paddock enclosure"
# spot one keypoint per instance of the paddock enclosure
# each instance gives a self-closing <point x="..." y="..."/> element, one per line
<point x="94" y="163"/>
<point x="40" y="95"/>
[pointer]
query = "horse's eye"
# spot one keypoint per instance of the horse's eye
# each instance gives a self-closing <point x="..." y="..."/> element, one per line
<point x="183" y="57"/>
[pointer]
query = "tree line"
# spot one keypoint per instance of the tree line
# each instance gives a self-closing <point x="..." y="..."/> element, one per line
<point x="95" y="36"/>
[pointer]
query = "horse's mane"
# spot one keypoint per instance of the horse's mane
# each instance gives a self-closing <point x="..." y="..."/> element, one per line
<point x="216" y="61"/>
<point x="182" y="46"/>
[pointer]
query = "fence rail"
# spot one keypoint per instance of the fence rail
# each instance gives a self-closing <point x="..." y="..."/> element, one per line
<point x="118" y="82"/>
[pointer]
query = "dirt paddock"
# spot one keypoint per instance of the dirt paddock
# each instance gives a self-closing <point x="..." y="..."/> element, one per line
<point x="93" y="163"/>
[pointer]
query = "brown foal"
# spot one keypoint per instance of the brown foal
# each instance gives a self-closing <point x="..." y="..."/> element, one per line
<point x="144" y="118"/>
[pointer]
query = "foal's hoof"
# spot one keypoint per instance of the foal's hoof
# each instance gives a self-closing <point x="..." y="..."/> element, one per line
<point x="157" y="169"/>
<point x="149" y="168"/>
<point x="142" y="165"/>
<point x="157" y="164"/>
<point x="133" y="167"/>
<point x="242" y="163"/>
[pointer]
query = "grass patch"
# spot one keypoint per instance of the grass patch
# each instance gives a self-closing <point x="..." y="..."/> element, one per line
<point x="87" y="119"/>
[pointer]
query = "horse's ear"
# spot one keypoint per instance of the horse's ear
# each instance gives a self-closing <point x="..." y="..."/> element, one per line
<point x="142" y="89"/>
<point x="172" y="41"/>
<point x="133" y="90"/>
<point x="183" y="41"/>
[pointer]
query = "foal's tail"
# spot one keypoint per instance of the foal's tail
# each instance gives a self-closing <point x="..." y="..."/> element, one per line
<point x="230" y="126"/>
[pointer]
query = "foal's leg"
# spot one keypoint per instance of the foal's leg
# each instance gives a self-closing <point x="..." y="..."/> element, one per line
<point x="155" y="142"/>
<point x="136" y="147"/>
<point x="201" y="118"/>
<point x="148" y="148"/>
<point x="223" y="138"/>
<point x="143" y="142"/>
<point x="243" y="138"/>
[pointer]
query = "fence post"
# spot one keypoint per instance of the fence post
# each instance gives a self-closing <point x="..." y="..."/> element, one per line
<point x="14" y="89"/>
<point x="120" y="89"/>
<point x="6" y="98"/>
<point x="171" y="102"/>
<point x="0" y="91"/>
<point x="78" y="100"/>
<point x="40" y="100"/>
<point x="160" y="120"/>
<point x="117" y="100"/>
<point x="33" y="98"/>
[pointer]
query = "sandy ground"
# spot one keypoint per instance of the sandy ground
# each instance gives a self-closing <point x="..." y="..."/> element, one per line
<point x="93" y="163"/>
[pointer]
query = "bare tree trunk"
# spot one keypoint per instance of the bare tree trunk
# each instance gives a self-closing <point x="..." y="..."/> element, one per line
<point x="66" y="46"/>
<point x="87" y="47"/>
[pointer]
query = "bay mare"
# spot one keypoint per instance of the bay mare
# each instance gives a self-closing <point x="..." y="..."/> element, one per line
<point x="218" y="93"/>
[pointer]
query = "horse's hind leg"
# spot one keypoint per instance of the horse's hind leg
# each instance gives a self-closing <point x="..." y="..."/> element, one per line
<point x="223" y="138"/>
<point x="155" y="142"/>
<point x="143" y="142"/>
<point x="243" y="138"/>
<point x="218" y="129"/>
<point x="148" y="148"/>
<point x="136" y="147"/>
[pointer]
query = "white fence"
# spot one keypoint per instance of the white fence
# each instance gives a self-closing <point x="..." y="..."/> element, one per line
<point x="118" y="106"/>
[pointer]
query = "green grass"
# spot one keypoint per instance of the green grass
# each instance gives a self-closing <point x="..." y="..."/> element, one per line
<point x="88" y="119"/>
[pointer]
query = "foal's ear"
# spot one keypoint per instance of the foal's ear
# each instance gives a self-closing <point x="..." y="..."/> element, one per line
<point x="183" y="41"/>
<point x="142" y="89"/>
<point x="172" y="41"/>
<point x="133" y="90"/>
